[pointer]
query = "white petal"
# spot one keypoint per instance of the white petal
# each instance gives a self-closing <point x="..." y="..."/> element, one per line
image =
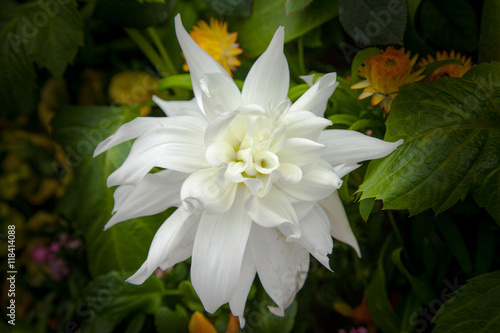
<point x="351" y="147"/>
<point x="199" y="61"/>
<point x="272" y="211"/>
<point x="316" y="237"/>
<point x="343" y="169"/>
<point x="131" y="130"/>
<point x="316" y="97"/>
<point x="300" y="151"/>
<point x="268" y="81"/>
<point x="180" y="108"/>
<point x="202" y="185"/>
<point x="172" y="243"/>
<point x="304" y="124"/>
<point x="178" y="148"/>
<point x="218" y="254"/>
<point x="290" y="173"/>
<point x="282" y="266"/>
<point x="152" y="195"/>
<point x="237" y="302"/>
<point x="316" y="184"/>
<point x="308" y="79"/>
<point x="340" y="227"/>
<point x="219" y="94"/>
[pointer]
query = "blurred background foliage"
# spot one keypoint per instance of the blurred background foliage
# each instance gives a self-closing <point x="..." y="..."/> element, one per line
<point x="71" y="72"/>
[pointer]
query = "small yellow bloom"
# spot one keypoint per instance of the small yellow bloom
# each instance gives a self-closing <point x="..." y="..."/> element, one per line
<point x="200" y="324"/>
<point x="448" y="70"/>
<point x="130" y="87"/>
<point x="385" y="73"/>
<point x="218" y="42"/>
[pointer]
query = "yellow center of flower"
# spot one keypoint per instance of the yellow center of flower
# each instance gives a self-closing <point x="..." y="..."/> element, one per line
<point x="391" y="63"/>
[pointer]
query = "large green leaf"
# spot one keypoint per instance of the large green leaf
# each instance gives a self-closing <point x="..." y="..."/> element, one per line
<point x="451" y="129"/>
<point x="124" y="246"/>
<point x="375" y="21"/>
<point x="267" y="16"/>
<point x="17" y="75"/>
<point x="472" y="308"/>
<point x="108" y="300"/>
<point x="57" y="30"/>
<point x="231" y="7"/>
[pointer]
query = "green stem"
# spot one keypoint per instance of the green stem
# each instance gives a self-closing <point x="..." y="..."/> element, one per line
<point x="163" y="52"/>
<point x="395" y="227"/>
<point x="171" y="292"/>
<point x="300" y="45"/>
<point x="148" y="50"/>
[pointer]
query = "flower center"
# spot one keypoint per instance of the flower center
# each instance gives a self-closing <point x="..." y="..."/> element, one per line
<point x="391" y="63"/>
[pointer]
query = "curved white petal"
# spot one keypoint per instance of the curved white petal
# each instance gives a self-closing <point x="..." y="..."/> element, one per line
<point x="304" y="124"/>
<point x="272" y="211"/>
<point x="308" y="79"/>
<point x="316" y="97"/>
<point x="268" y="81"/>
<point x="237" y="302"/>
<point x="172" y="243"/>
<point x="180" y="108"/>
<point x="316" y="238"/>
<point x="316" y="184"/>
<point x="351" y="147"/>
<point x="199" y="61"/>
<point x="203" y="186"/>
<point x="218" y="251"/>
<point x="178" y="148"/>
<point x="340" y="227"/>
<point x="131" y="130"/>
<point x="152" y="195"/>
<point x="300" y="151"/>
<point x="282" y="266"/>
<point x="219" y="94"/>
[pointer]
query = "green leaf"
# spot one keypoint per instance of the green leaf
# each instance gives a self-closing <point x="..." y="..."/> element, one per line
<point x="263" y="321"/>
<point x="296" y="5"/>
<point x="167" y="321"/>
<point x="189" y="297"/>
<point x="125" y="245"/>
<point x="421" y="289"/>
<point x="472" y="308"/>
<point x="136" y="323"/>
<point x="489" y="48"/>
<point x="176" y="81"/>
<point x="57" y="28"/>
<point x="344" y="119"/>
<point x="360" y="57"/>
<point x="374" y="22"/>
<point x="365" y="208"/>
<point x="295" y="92"/>
<point x="133" y="14"/>
<point x="454" y="240"/>
<point x="267" y="16"/>
<point x="231" y="7"/>
<point x="449" y="24"/>
<point x="110" y="299"/>
<point x="377" y="299"/>
<point x="451" y="130"/>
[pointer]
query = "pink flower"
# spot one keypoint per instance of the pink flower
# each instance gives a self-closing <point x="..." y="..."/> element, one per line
<point x="40" y="254"/>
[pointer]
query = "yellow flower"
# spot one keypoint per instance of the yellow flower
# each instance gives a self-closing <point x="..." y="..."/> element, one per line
<point x="217" y="42"/>
<point x="130" y="87"/>
<point x="200" y="324"/>
<point x="385" y="73"/>
<point x="448" y="70"/>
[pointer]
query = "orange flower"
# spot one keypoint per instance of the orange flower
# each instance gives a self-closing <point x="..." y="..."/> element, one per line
<point x="385" y="73"/>
<point x="218" y="42"/>
<point x="200" y="324"/>
<point x="448" y="70"/>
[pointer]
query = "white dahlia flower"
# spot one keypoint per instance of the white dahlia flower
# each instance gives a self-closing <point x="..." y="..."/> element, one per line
<point x="254" y="178"/>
